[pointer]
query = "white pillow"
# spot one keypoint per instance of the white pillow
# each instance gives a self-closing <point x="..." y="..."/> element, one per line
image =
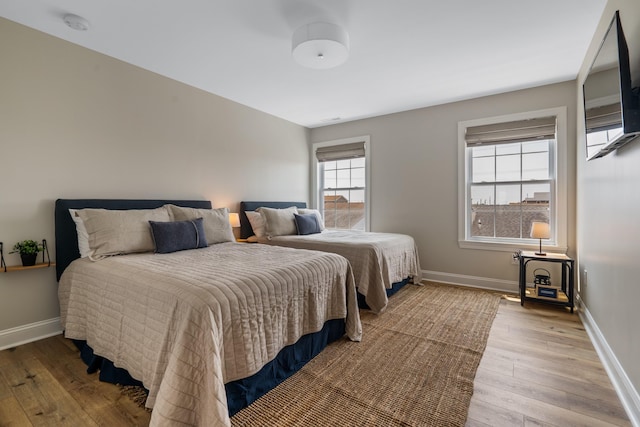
<point x="217" y="227"/>
<point x="304" y="211"/>
<point x="81" y="231"/>
<point x="279" y="222"/>
<point x="257" y="223"/>
<point x="116" y="232"/>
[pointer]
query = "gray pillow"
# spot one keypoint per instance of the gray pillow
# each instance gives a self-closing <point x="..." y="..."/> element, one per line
<point x="257" y="223"/>
<point x="316" y="212"/>
<point x="307" y="224"/>
<point x="178" y="235"/>
<point x="115" y="232"/>
<point x="279" y="222"/>
<point x="217" y="227"/>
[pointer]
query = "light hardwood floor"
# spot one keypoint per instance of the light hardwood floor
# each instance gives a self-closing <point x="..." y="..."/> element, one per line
<point x="539" y="369"/>
<point x="45" y="383"/>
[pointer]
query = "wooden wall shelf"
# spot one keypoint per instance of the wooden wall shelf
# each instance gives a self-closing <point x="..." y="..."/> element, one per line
<point x="9" y="269"/>
<point x="44" y="264"/>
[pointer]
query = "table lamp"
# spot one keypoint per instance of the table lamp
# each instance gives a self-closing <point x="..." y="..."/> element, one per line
<point x="540" y="230"/>
<point x="234" y="219"/>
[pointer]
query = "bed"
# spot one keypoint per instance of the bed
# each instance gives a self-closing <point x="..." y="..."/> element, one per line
<point x="382" y="262"/>
<point x="205" y="330"/>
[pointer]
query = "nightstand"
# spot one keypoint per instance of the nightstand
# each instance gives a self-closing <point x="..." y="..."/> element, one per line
<point x="564" y="294"/>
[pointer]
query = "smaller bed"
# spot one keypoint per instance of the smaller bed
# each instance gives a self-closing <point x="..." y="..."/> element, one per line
<point x="382" y="262"/>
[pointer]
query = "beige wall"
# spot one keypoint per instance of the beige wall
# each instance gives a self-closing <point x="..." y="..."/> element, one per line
<point x="414" y="172"/>
<point x="78" y="124"/>
<point x="608" y="225"/>
<point x="74" y="124"/>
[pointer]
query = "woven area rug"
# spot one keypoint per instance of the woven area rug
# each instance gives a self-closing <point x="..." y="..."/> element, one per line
<point x="415" y="366"/>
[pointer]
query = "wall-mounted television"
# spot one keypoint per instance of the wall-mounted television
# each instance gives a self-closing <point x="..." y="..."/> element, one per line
<point x="611" y="101"/>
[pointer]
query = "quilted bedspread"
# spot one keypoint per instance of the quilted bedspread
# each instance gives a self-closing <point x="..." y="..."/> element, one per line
<point x="188" y="322"/>
<point x="378" y="259"/>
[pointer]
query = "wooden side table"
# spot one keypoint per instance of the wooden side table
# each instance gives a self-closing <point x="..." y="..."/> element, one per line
<point x="565" y="292"/>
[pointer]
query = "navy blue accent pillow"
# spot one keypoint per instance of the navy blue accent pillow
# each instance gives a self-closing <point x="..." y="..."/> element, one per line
<point x="178" y="235"/>
<point x="307" y="224"/>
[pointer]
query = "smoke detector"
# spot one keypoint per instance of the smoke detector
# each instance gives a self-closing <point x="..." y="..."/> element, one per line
<point x="76" y="22"/>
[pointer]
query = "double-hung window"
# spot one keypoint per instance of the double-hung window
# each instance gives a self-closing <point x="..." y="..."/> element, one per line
<point x="341" y="180"/>
<point x="510" y="181"/>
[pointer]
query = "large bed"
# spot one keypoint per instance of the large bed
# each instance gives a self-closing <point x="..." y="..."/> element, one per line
<point x="382" y="262"/>
<point x="206" y="330"/>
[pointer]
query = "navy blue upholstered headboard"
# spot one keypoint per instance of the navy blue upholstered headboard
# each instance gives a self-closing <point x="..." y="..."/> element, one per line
<point x="66" y="236"/>
<point x="245" y="226"/>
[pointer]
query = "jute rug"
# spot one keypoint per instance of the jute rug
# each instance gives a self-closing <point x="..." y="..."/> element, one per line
<point x="415" y="366"/>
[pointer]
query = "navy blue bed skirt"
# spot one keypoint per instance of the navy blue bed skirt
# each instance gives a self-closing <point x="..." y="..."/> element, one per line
<point x="243" y="392"/>
<point x="395" y="287"/>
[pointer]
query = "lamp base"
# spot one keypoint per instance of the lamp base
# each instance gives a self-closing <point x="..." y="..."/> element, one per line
<point x="540" y="253"/>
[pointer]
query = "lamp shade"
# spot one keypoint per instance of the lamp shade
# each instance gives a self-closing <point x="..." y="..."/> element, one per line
<point x="320" y="45"/>
<point x="540" y="230"/>
<point x="234" y="220"/>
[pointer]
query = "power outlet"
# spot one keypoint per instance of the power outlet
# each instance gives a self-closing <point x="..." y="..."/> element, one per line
<point x="515" y="258"/>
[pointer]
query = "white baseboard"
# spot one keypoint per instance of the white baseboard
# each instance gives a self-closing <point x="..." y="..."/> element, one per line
<point x="24" y="334"/>
<point x="510" y="286"/>
<point x="624" y="388"/>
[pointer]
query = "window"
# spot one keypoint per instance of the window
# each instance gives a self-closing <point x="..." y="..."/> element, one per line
<point x="341" y="177"/>
<point x="510" y="179"/>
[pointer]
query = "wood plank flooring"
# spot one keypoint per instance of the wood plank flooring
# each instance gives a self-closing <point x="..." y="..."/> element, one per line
<point x="45" y="383"/>
<point x="539" y="369"/>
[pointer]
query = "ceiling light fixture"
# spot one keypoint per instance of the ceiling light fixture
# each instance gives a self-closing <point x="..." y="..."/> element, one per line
<point x="76" y="22"/>
<point x="320" y="45"/>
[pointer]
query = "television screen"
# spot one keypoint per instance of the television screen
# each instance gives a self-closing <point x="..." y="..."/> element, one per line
<point x="611" y="106"/>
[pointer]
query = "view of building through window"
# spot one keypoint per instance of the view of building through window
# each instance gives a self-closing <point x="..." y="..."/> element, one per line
<point x="510" y="220"/>
<point x="343" y="193"/>
<point x="510" y="188"/>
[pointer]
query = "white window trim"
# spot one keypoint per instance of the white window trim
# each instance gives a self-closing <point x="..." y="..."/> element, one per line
<point x="316" y="190"/>
<point x="560" y="178"/>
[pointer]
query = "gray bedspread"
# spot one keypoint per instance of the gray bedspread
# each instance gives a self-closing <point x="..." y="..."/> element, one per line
<point x="378" y="259"/>
<point x="188" y="322"/>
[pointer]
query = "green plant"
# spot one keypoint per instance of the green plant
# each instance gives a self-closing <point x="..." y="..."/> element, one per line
<point x="27" y="247"/>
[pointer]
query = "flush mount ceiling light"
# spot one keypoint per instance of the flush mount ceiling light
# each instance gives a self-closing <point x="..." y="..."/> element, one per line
<point x="320" y="45"/>
<point x="76" y="22"/>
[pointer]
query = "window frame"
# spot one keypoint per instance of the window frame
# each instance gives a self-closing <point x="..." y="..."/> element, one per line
<point x="316" y="179"/>
<point x="557" y="204"/>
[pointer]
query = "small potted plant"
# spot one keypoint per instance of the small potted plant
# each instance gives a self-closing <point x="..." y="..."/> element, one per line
<point x="28" y="250"/>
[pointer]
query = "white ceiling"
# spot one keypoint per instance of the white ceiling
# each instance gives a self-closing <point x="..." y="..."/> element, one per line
<point x="405" y="54"/>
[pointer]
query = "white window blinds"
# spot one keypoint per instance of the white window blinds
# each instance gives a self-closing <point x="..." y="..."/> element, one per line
<point x="604" y="118"/>
<point x="340" y="152"/>
<point x="508" y="132"/>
